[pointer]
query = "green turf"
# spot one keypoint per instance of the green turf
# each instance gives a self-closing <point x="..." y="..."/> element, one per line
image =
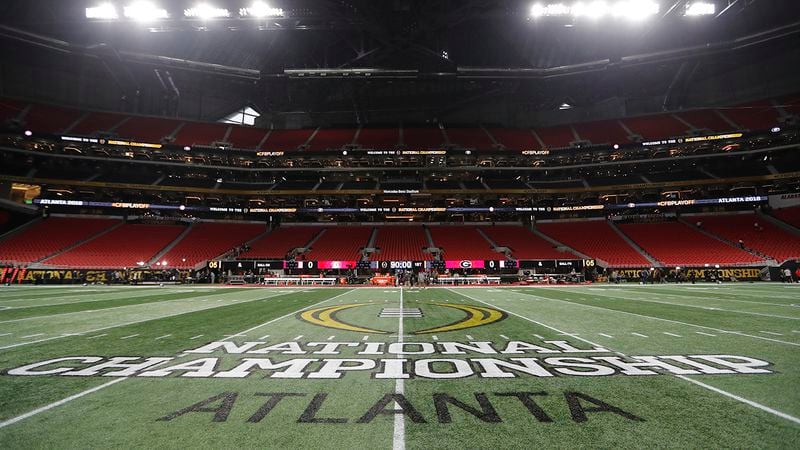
<point x="753" y="320"/>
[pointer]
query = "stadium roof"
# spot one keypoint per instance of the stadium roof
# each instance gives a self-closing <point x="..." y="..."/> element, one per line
<point x="436" y="56"/>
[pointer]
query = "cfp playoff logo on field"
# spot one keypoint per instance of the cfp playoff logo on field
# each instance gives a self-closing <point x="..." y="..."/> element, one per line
<point x="474" y="316"/>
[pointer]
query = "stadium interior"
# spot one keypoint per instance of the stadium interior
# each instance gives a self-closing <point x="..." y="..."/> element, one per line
<point x="318" y="147"/>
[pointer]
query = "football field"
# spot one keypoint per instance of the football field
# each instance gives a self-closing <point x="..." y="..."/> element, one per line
<point x="629" y="366"/>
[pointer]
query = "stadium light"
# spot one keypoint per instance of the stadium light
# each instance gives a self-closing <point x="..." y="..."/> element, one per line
<point x="624" y="9"/>
<point x="260" y="9"/>
<point x="700" y="9"/>
<point x="104" y="11"/>
<point x="28" y="133"/>
<point x="205" y="11"/>
<point x="144" y="11"/>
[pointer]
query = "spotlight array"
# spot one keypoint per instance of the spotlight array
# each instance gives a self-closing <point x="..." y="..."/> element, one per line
<point x="625" y="9"/>
<point x="146" y="11"/>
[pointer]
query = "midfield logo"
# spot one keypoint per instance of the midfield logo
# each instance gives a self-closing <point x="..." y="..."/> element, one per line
<point x="475" y="316"/>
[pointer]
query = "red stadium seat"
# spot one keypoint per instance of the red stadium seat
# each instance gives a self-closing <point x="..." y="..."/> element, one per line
<point x="789" y="215"/>
<point x="525" y="244"/>
<point x="340" y="244"/>
<point x="766" y="238"/>
<point x="50" y="119"/>
<point x="556" y="137"/>
<point x="706" y="119"/>
<point x="97" y="122"/>
<point x="125" y="246"/>
<point x="246" y="137"/>
<point x="279" y="242"/>
<point x="596" y="239"/>
<point x="656" y="127"/>
<point x="332" y="139"/>
<point x="379" y="138"/>
<point x="602" y="132"/>
<point x="677" y="244"/>
<point x="146" y="129"/>
<point x="10" y="109"/>
<point x="402" y="243"/>
<point x="462" y="242"/>
<point x="283" y="140"/>
<point x="517" y="139"/>
<point x="422" y="138"/>
<point x="469" y="138"/>
<point x="50" y="236"/>
<point x="209" y="240"/>
<point x="753" y="116"/>
<point x="197" y="133"/>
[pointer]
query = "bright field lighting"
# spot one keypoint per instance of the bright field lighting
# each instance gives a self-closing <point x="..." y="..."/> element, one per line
<point x="206" y="11"/>
<point x="700" y="9"/>
<point x="260" y="9"/>
<point x="144" y="11"/>
<point x="103" y="11"/>
<point x="625" y="9"/>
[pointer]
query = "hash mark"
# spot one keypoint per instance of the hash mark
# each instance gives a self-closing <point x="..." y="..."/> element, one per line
<point x="434" y="337"/>
<point x="198" y="336"/>
<point x="263" y="337"/>
<point x="706" y="334"/>
<point x="297" y="338"/>
<point x="163" y="337"/>
<point x="330" y="338"/>
<point x="672" y="334"/>
<point x="128" y="337"/>
<point x="470" y="337"/>
<point x="365" y="338"/>
<point x="504" y="337"/>
<point x="97" y="336"/>
<point x="640" y="335"/>
<point x="540" y="337"/>
<point x="32" y="335"/>
<point x="770" y="332"/>
<point x="606" y="335"/>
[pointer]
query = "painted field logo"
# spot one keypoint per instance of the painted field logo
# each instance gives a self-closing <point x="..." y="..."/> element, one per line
<point x="474" y="316"/>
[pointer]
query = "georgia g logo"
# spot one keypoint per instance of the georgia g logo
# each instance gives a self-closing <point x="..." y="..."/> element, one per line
<point x="466" y="264"/>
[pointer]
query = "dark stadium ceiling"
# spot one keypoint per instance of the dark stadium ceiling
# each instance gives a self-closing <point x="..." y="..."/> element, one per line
<point x="492" y="49"/>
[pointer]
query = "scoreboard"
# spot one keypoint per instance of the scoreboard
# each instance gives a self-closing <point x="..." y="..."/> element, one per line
<point x="557" y="264"/>
<point x="381" y="266"/>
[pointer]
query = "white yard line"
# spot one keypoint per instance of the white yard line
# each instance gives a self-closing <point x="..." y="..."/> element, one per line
<point x="32" y="335"/>
<point x="399" y="434"/>
<point x="118" y="380"/>
<point x="741" y="399"/>
<point x="130" y="323"/>
<point x="750" y="313"/>
<point x="738" y="333"/>
<point x="58" y="403"/>
<point x="682" y="377"/>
